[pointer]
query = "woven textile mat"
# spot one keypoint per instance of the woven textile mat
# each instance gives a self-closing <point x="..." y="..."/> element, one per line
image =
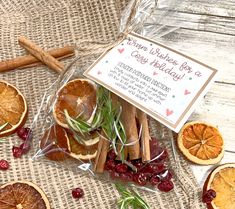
<point x="54" y="24"/>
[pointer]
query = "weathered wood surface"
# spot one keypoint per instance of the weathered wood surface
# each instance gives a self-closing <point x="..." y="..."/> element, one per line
<point x="207" y="33"/>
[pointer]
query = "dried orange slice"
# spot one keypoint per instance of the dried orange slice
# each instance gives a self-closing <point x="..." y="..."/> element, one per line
<point x="222" y="181"/>
<point x="22" y="194"/>
<point x="80" y="151"/>
<point x="201" y="143"/>
<point x="55" y="143"/>
<point x="78" y="97"/>
<point x="13" y="108"/>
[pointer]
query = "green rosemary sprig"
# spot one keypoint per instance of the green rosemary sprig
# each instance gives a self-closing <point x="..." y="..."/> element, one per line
<point x="130" y="198"/>
<point x="112" y="125"/>
<point x="77" y="124"/>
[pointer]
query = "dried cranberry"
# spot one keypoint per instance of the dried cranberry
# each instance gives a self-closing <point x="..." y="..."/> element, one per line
<point x="111" y="155"/>
<point x="165" y="186"/>
<point x="110" y="165"/>
<point x="128" y="176"/>
<point x="114" y="174"/>
<point x="77" y="192"/>
<point x="165" y="175"/>
<point x="25" y="147"/>
<point x="4" y="165"/>
<point x="121" y="168"/>
<point x="163" y="155"/>
<point x="138" y="164"/>
<point x="154" y="180"/>
<point x="17" y="152"/>
<point x="24" y="133"/>
<point x="208" y="196"/>
<point x="154" y="168"/>
<point x="154" y="147"/>
<point x="140" y="178"/>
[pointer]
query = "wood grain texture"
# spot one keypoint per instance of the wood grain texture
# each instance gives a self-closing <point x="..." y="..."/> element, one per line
<point x="205" y="30"/>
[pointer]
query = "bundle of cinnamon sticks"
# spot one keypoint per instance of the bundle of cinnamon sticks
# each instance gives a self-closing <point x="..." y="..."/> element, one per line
<point x="135" y="123"/>
<point x="37" y="57"/>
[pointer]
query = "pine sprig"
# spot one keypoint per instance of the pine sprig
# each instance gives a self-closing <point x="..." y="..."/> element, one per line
<point x="130" y="198"/>
<point x="111" y="124"/>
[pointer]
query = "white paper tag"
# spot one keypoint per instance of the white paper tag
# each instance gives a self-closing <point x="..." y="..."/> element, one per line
<point x="156" y="79"/>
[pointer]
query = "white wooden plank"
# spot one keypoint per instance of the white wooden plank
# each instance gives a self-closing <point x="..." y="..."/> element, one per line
<point x="210" y="7"/>
<point x="215" y="50"/>
<point x="200" y="22"/>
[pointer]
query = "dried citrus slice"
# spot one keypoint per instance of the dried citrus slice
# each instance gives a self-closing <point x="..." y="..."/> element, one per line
<point x="222" y="181"/>
<point x="13" y="108"/>
<point x="201" y="143"/>
<point x="22" y="195"/>
<point x="78" y="97"/>
<point x="80" y="151"/>
<point x="54" y="143"/>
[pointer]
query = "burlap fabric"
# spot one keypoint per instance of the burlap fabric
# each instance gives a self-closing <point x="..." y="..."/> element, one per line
<point x="53" y="24"/>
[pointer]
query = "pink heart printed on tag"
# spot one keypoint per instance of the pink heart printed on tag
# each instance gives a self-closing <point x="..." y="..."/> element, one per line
<point x="186" y="92"/>
<point x="121" y="50"/>
<point x="155" y="73"/>
<point x="99" y="72"/>
<point x="169" y="112"/>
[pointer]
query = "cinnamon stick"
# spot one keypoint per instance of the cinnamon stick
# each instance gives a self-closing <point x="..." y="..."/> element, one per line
<point x="128" y="118"/>
<point x="101" y="156"/>
<point x="145" y="135"/>
<point x="40" y="54"/>
<point x="30" y="61"/>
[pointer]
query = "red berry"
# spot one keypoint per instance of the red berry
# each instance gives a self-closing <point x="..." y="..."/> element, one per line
<point x="140" y="178"/>
<point x="165" y="175"/>
<point x="77" y="192"/>
<point x="17" y="152"/>
<point x="4" y="165"/>
<point x="114" y="175"/>
<point x="154" y="180"/>
<point x="154" y="168"/>
<point x="111" y="155"/>
<point x="138" y="164"/>
<point x="25" y="147"/>
<point x="208" y="196"/>
<point x="154" y="147"/>
<point x="24" y="133"/>
<point x="162" y="155"/>
<point x="121" y="168"/>
<point x="165" y="186"/>
<point x="128" y="176"/>
<point x="110" y="165"/>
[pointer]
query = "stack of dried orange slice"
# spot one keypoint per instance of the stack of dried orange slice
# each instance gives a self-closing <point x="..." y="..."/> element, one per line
<point x="78" y="98"/>
<point x="201" y="143"/>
